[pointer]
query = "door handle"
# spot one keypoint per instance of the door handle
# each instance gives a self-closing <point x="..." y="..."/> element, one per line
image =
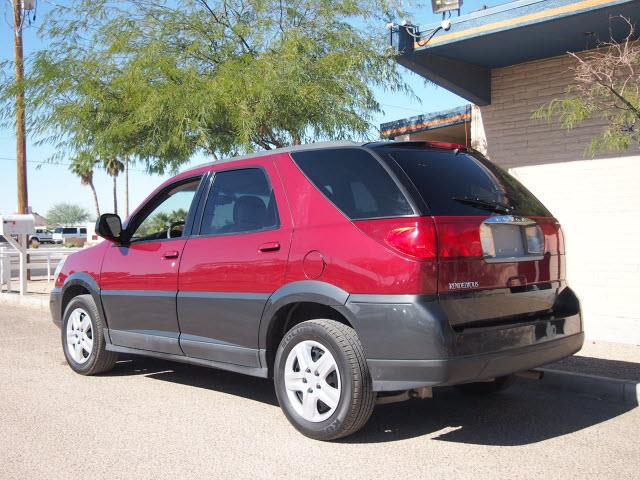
<point x="170" y="255"/>
<point x="269" y="247"/>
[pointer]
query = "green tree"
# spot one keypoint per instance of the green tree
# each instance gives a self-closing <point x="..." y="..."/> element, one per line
<point x="160" y="222"/>
<point x="607" y="86"/>
<point x="62" y="214"/>
<point x="157" y="81"/>
<point x="82" y="166"/>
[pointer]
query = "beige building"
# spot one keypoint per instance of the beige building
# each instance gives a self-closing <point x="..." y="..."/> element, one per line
<point x="510" y="60"/>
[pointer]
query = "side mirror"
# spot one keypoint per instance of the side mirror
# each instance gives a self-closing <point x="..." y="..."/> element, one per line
<point x="109" y="227"/>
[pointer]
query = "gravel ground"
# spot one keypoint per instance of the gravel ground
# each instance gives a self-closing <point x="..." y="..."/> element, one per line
<point x="153" y="419"/>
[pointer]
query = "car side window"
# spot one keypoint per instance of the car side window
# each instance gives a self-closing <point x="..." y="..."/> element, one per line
<point x="240" y="201"/>
<point x="167" y="219"/>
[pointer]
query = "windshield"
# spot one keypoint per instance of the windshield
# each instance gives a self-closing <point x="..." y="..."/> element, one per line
<point x="58" y="230"/>
<point x="463" y="183"/>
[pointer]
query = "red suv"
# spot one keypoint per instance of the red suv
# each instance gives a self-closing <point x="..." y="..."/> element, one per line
<point x="348" y="272"/>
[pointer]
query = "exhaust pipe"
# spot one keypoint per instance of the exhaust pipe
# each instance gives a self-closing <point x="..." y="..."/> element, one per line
<point x="424" y="392"/>
<point x="530" y="374"/>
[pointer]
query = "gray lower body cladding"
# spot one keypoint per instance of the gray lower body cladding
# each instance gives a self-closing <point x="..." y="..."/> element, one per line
<point x="55" y="305"/>
<point x="410" y="342"/>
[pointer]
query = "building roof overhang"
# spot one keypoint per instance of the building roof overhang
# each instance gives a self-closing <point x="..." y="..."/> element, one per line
<point x="461" y="59"/>
<point x="428" y="121"/>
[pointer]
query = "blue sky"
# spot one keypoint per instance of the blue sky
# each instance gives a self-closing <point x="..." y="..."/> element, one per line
<point x="49" y="184"/>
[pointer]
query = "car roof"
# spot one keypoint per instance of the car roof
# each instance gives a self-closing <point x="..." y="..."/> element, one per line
<point x="294" y="148"/>
<point x="374" y="145"/>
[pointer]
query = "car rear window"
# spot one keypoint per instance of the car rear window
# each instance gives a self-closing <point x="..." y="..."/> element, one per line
<point x="355" y="182"/>
<point x="451" y="182"/>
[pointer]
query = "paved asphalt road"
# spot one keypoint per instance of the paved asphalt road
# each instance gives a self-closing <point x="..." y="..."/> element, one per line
<point x="152" y="419"/>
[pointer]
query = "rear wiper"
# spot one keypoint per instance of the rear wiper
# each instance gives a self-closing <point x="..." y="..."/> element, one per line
<point x="486" y="204"/>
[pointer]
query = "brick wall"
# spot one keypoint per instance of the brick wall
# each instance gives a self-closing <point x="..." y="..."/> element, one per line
<point x="512" y="137"/>
<point x="596" y="200"/>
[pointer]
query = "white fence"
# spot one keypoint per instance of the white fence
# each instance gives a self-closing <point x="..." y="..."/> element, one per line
<point x="39" y="258"/>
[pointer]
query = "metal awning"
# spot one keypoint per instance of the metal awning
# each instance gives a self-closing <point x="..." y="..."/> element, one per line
<point x="461" y="58"/>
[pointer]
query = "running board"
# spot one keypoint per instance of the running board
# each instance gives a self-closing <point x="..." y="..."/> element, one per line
<point x="252" y="371"/>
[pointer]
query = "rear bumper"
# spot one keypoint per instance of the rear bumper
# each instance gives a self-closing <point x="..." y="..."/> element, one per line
<point x="409" y="341"/>
<point x="389" y="375"/>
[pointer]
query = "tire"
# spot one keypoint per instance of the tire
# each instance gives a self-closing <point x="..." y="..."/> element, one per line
<point x="348" y="375"/>
<point x="82" y="326"/>
<point x="482" y="388"/>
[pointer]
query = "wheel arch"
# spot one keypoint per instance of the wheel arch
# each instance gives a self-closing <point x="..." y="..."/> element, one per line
<point x="80" y="283"/>
<point x="295" y="303"/>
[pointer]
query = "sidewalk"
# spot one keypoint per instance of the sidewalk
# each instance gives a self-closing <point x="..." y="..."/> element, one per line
<point x="37" y="294"/>
<point x="601" y="369"/>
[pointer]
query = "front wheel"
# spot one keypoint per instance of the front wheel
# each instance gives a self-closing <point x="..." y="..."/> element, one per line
<point x="322" y="380"/>
<point x="83" y="338"/>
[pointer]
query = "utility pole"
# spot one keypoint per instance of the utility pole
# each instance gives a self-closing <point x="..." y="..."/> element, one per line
<point x="126" y="186"/>
<point x="21" y="141"/>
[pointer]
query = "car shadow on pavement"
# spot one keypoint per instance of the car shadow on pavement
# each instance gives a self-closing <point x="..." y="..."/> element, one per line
<point x="525" y="413"/>
<point x="528" y="412"/>
<point x="253" y="388"/>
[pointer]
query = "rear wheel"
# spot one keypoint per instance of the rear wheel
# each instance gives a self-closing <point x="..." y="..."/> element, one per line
<point x="83" y="338"/>
<point x="480" y="388"/>
<point x="322" y="380"/>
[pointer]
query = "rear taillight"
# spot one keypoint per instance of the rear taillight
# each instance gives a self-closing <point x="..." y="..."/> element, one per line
<point x="415" y="237"/>
<point x="427" y="238"/>
<point x="553" y="236"/>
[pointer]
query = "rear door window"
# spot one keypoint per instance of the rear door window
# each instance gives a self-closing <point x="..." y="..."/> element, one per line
<point x="355" y="182"/>
<point x="460" y="184"/>
<point x="240" y="201"/>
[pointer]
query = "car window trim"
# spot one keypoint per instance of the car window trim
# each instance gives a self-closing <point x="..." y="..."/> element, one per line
<point x="205" y="197"/>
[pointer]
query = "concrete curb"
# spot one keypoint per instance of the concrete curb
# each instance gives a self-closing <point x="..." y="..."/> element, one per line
<point x="606" y="388"/>
<point x="32" y="301"/>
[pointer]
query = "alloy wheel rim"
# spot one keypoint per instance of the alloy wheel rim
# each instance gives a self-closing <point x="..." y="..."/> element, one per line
<point x="312" y="381"/>
<point x="79" y="336"/>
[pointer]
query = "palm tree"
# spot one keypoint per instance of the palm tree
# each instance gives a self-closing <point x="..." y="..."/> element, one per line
<point x="113" y="166"/>
<point x="82" y="166"/>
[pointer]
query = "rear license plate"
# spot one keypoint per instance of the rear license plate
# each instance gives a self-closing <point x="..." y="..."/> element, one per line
<point x="508" y="241"/>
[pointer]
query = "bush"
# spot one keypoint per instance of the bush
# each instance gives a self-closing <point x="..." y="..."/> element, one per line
<point x="75" y="242"/>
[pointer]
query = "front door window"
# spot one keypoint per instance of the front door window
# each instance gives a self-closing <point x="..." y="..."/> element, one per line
<point x="167" y="219"/>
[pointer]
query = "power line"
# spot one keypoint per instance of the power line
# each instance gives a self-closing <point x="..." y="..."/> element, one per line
<point x="64" y="164"/>
<point x="403" y="108"/>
